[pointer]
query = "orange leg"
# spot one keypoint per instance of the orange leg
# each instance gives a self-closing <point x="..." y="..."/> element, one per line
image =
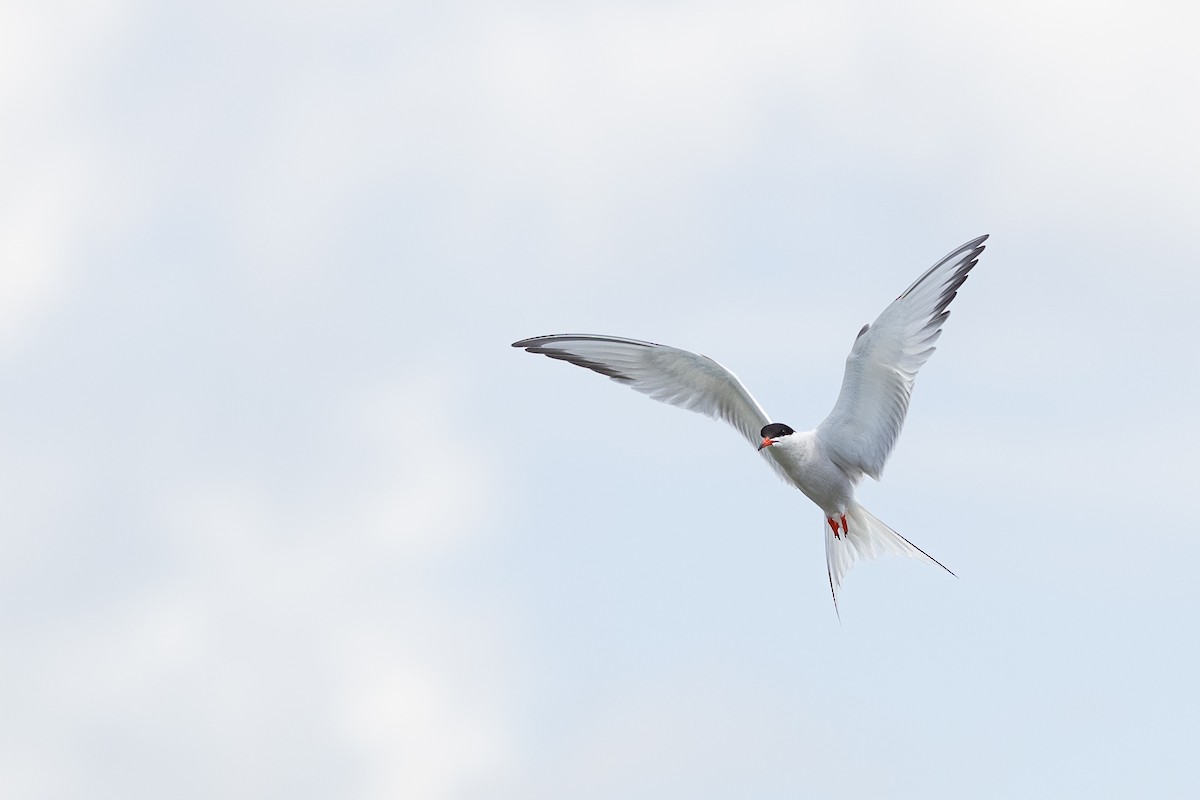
<point x="833" y="524"/>
<point x="845" y="527"/>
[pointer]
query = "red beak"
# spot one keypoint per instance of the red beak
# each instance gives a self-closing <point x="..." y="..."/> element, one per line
<point x="765" y="443"/>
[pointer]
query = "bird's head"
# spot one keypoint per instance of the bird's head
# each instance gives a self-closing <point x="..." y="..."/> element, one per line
<point x="773" y="433"/>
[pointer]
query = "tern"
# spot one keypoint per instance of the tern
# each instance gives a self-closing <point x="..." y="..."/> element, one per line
<point x="828" y="462"/>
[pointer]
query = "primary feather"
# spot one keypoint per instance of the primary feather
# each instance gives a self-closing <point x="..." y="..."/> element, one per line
<point x="678" y="377"/>
<point x="862" y="429"/>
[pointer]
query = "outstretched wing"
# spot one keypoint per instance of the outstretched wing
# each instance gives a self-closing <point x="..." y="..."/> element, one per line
<point x="668" y="374"/>
<point x="862" y="429"/>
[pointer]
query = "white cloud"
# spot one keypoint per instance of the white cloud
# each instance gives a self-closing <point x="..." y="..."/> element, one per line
<point x="412" y="725"/>
<point x="59" y="200"/>
<point x="285" y="643"/>
<point x="432" y="479"/>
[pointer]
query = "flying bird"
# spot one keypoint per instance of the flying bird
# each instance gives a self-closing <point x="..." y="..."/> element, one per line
<point x="828" y="462"/>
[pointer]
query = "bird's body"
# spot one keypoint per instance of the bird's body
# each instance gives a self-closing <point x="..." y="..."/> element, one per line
<point x="803" y="458"/>
<point x="828" y="462"/>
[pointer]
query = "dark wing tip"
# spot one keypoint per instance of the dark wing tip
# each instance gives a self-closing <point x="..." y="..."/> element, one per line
<point x="968" y="252"/>
<point x="587" y="363"/>
<point x="536" y="341"/>
<point x="964" y="258"/>
<point x="545" y="346"/>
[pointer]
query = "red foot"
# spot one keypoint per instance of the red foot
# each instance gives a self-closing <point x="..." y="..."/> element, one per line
<point x="845" y="527"/>
<point x="833" y="524"/>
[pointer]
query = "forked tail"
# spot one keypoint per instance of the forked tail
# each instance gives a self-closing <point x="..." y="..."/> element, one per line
<point x="867" y="538"/>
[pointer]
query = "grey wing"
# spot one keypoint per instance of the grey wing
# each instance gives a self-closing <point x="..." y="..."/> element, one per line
<point x="667" y="374"/>
<point x="862" y="429"/>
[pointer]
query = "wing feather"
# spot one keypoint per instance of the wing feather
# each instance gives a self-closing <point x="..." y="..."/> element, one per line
<point x="667" y="374"/>
<point x="862" y="429"/>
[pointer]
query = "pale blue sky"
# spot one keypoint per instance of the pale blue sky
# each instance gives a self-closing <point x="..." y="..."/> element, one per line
<point x="285" y="516"/>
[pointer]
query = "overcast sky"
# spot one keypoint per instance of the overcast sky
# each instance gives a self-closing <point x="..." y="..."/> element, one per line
<point x="284" y="516"/>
